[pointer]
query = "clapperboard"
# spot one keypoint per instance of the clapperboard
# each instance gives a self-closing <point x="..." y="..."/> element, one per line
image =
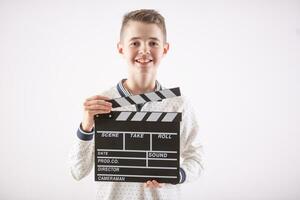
<point x="138" y="146"/>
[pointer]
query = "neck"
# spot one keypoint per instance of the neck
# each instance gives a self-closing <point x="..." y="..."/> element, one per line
<point x="140" y="85"/>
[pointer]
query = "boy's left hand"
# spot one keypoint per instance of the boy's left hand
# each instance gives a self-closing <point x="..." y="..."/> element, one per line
<point x="153" y="184"/>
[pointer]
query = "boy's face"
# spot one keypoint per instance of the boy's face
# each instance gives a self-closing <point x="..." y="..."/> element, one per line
<point x="142" y="46"/>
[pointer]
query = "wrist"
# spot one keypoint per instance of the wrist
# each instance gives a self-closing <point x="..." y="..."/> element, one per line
<point x="87" y="127"/>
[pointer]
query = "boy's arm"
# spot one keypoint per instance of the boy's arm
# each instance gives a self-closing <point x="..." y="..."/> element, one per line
<point x="82" y="154"/>
<point x="192" y="150"/>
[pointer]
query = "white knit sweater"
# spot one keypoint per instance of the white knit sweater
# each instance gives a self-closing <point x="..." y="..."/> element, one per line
<point x="82" y="153"/>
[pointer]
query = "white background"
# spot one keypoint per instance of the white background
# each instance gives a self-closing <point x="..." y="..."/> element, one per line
<point x="238" y="61"/>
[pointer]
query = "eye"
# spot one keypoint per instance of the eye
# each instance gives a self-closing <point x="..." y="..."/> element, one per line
<point x="134" y="44"/>
<point x="153" y="44"/>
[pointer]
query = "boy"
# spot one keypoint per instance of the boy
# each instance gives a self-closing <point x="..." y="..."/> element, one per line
<point x="143" y="44"/>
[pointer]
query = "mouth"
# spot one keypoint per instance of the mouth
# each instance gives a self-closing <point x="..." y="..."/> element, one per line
<point x="143" y="61"/>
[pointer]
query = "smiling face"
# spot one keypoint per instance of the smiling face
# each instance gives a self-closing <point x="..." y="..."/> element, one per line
<point x="142" y="45"/>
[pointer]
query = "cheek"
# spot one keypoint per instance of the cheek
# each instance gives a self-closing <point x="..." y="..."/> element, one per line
<point x="129" y="55"/>
<point x="157" y="54"/>
<point x="132" y="54"/>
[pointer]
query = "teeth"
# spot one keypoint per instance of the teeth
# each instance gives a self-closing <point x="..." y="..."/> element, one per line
<point x="143" y="60"/>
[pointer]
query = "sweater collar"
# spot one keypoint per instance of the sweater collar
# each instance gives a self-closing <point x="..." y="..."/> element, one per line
<point x="124" y="92"/>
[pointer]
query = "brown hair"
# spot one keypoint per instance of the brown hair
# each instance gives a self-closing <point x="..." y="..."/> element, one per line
<point x="147" y="16"/>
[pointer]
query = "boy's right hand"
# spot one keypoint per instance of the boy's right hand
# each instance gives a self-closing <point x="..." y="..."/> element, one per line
<point x="92" y="106"/>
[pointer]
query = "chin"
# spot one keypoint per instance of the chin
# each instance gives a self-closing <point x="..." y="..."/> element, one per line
<point x="143" y="69"/>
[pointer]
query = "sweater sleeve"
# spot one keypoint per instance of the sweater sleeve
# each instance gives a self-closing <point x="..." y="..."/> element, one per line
<point x="81" y="156"/>
<point x="192" y="149"/>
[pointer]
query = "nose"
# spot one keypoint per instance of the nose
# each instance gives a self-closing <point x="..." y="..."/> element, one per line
<point x="144" y="49"/>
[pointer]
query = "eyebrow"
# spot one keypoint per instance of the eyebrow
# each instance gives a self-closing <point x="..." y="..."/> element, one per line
<point x="151" y="38"/>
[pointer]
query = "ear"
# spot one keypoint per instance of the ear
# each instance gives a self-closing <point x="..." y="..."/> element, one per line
<point x="120" y="47"/>
<point x="166" y="47"/>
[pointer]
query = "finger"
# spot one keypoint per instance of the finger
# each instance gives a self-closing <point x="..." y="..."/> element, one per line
<point x="97" y="107"/>
<point x="151" y="184"/>
<point x="148" y="183"/>
<point x="156" y="184"/>
<point x="97" y="97"/>
<point x="97" y="102"/>
<point x="96" y="112"/>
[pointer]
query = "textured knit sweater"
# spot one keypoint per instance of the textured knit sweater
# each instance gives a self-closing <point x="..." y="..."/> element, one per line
<point x="82" y="152"/>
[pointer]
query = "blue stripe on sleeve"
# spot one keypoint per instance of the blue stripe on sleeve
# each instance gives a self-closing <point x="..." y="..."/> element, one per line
<point x="182" y="175"/>
<point x="85" y="136"/>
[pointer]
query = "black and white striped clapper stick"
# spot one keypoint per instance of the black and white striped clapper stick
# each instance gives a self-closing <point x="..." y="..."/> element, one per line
<point x="141" y="116"/>
<point x="146" y="97"/>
